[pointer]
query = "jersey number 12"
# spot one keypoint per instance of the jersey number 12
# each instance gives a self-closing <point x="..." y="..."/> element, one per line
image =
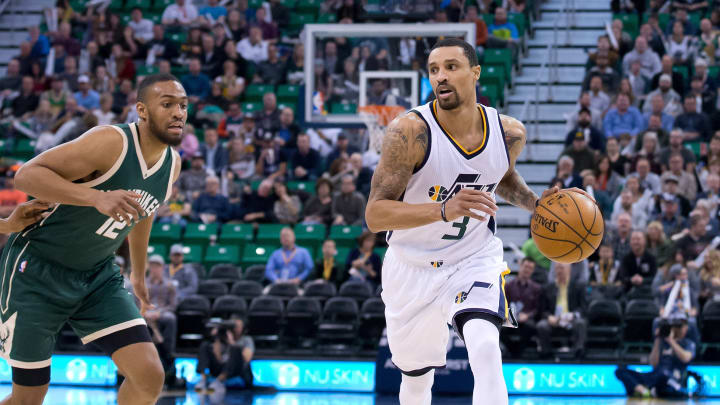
<point x="109" y="228"/>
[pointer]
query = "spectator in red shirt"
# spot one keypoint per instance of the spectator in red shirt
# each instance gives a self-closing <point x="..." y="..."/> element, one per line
<point x="10" y="198"/>
<point x="524" y="295"/>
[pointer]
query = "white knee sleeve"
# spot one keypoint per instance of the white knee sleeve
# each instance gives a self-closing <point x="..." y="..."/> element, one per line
<point x="482" y="340"/>
<point x="416" y="390"/>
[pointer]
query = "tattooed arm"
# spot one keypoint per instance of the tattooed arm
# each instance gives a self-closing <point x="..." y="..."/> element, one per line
<point x="404" y="145"/>
<point x="512" y="187"/>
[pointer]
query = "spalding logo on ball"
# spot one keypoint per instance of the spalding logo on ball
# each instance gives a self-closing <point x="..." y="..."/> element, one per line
<point x="567" y="226"/>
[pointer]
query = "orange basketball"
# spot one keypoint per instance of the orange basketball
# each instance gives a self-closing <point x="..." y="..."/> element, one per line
<point x="567" y="227"/>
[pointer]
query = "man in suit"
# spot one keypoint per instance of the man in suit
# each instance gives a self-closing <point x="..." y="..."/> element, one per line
<point x="216" y="157"/>
<point x="637" y="267"/>
<point x="563" y="305"/>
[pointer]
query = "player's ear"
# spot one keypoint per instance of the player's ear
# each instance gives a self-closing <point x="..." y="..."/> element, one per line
<point x="477" y="69"/>
<point x="141" y="110"/>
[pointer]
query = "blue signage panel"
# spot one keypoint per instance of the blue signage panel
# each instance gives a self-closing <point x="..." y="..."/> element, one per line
<point x="562" y="379"/>
<point x="356" y="376"/>
<point x="70" y="369"/>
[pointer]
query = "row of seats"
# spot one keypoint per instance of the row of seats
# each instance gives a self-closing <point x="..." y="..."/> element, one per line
<point x="251" y="289"/>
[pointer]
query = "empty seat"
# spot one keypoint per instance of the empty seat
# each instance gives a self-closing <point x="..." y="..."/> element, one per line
<point x="226" y="273"/>
<point x="357" y="289"/>
<point x="339" y="325"/>
<point x="227" y="306"/>
<point x="320" y="290"/>
<point x="710" y="322"/>
<point x="265" y="318"/>
<point x="247" y="289"/>
<point x="372" y="322"/>
<point x="604" y="318"/>
<point x="345" y="235"/>
<point x="255" y="273"/>
<point x="200" y="234"/>
<point x="301" y="322"/>
<point x="192" y="313"/>
<point x="212" y="289"/>
<point x="286" y="291"/>
<point x="639" y="316"/>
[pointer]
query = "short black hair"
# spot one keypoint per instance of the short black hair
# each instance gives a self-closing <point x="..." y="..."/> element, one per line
<point x="468" y="49"/>
<point x="148" y="81"/>
<point x="585" y="110"/>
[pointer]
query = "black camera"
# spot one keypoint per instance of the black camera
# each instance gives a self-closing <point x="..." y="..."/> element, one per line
<point x="665" y="328"/>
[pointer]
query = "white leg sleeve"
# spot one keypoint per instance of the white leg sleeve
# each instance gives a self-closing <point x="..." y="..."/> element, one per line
<point x="416" y="390"/>
<point x="482" y="340"/>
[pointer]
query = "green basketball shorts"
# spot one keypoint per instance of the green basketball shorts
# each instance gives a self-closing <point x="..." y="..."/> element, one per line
<point x="37" y="297"/>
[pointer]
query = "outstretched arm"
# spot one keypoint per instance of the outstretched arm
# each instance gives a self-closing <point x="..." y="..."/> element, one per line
<point x="512" y="187"/>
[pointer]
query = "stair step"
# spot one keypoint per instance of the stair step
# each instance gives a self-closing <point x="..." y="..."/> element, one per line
<point x="547" y="132"/>
<point x="541" y="152"/>
<point x="9" y="21"/>
<point x="565" y="56"/>
<point x="581" y="5"/>
<point x="548" y="112"/>
<point x="578" y="38"/>
<point x="561" y="94"/>
<point x="509" y="235"/>
<point x="583" y="20"/>
<point x="513" y="216"/>
<point x="6" y="54"/>
<point x="12" y="38"/>
<point x="32" y="6"/>
<point x="536" y="172"/>
<point x="566" y="75"/>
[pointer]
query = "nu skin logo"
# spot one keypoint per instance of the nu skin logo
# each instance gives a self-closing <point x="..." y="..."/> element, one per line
<point x="524" y="379"/>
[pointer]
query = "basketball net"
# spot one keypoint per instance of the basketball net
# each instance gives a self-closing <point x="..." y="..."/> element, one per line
<point x="376" y="119"/>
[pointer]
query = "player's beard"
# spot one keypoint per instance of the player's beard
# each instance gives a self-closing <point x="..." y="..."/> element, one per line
<point x="449" y="103"/>
<point x="161" y="133"/>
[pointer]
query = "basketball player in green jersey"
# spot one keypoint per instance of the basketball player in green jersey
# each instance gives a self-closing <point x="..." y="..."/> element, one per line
<point x="107" y="184"/>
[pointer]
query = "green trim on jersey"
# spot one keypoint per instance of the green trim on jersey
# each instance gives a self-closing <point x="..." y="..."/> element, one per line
<point x="81" y="238"/>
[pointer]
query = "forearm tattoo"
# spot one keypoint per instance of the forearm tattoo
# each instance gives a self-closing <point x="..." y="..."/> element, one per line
<point x="514" y="190"/>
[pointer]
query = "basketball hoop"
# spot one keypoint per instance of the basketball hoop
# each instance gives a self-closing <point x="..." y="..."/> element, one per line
<point x="376" y="119"/>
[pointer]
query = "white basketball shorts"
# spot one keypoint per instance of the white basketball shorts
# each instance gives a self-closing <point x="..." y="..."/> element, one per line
<point x="420" y="303"/>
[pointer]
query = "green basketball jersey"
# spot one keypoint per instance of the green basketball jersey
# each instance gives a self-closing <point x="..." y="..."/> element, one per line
<point x="82" y="238"/>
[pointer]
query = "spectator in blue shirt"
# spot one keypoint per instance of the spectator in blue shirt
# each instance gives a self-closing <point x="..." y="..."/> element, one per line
<point x="196" y="83"/>
<point x="501" y="28"/>
<point x="86" y="97"/>
<point x="213" y="10"/>
<point x="623" y="119"/>
<point x="211" y="206"/>
<point x="658" y="107"/>
<point x="290" y="263"/>
<point x="39" y="42"/>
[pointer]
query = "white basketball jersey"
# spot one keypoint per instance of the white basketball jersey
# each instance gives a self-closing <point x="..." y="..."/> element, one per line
<point x="447" y="169"/>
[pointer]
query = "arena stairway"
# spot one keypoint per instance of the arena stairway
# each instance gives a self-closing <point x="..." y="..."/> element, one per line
<point x="17" y="16"/>
<point x="537" y="162"/>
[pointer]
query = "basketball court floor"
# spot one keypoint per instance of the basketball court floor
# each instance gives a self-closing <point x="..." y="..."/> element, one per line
<point x="92" y="396"/>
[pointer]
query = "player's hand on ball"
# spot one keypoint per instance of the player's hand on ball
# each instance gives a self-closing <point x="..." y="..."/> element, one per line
<point x="466" y="200"/>
<point x="121" y="205"/>
<point x="556" y="189"/>
<point x="27" y="214"/>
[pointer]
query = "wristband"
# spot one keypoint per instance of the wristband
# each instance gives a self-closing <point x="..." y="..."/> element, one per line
<point x="442" y="212"/>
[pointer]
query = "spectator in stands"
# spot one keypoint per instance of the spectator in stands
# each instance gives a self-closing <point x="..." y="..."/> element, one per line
<point x="364" y="264"/>
<point x="161" y="47"/>
<point x="12" y="80"/>
<point x="269" y="119"/>
<point x="253" y="48"/>
<point x="647" y="179"/>
<point x="638" y="267"/>
<point x="257" y="206"/>
<point x="592" y="136"/>
<point x="290" y="263"/>
<point x="182" y="14"/>
<point x="670" y="217"/>
<point x="289" y="130"/>
<point x="142" y="28"/>
<point x="305" y="161"/>
<point x="657" y="107"/>
<point x="348" y="205"/>
<point x="10" y="197"/>
<point x="609" y="77"/>
<point x="583" y="158"/>
<point x="27" y="101"/>
<point x="287" y="206"/>
<point x="686" y="184"/>
<point x="658" y="245"/>
<point x="524" y="295"/>
<point x="212" y="12"/>
<point x="104" y="114"/>
<point x="710" y="276"/>
<point x="681" y="16"/>
<point x="327" y="268"/>
<point x="695" y="126"/>
<point x="563" y="306"/>
<point x="211" y="206"/>
<point x="272" y="71"/>
<point x="503" y="34"/>
<point x="192" y="181"/>
<point x="675" y="146"/>
<point x="64" y="37"/>
<point x="605" y="274"/>
<point x="708" y="41"/>
<point x="584" y="102"/>
<point x="120" y="64"/>
<point x="625" y="204"/>
<point x="40" y="43"/>
<point x="701" y="70"/>
<point x="638" y="82"/>
<point x="711" y="192"/>
<point x="622" y="119"/>
<point x="176" y="210"/>
<point x="227" y="355"/>
<point x="618" y="235"/>
<point x="654" y="37"/>
<point x="607" y="180"/>
<point x="342" y="149"/>
<point x="670" y="99"/>
<point x="649" y="60"/>
<point x="163" y="296"/>
<point x="660" y="139"/>
<point x="318" y="209"/>
<point x="677" y="79"/>
<point x="679" y="296"/>
<point x="70" y="74"/>
<point x="196" y="83"/>
<point x="704" y="98"/>
<point x="481" y="29"/>
<point x="184" y="277"/>
<point x="679" y="45"/>
<point x="669" y="358"/>
<point x="210" y="56"/>
<point x="696" y="238"/>
<point x="231" y="124"/>
<point x="213" y="152"/>
<point x="271" y="160"/>
<point x="566" y="174"/>
<point x="704" y="207"/>
<point x="241" y="160"/>
<point x="599" y="100"/>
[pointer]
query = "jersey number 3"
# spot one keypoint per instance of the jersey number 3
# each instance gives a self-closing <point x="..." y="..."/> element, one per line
<point x="462" y="225"/>
<point x="109" y="228"/>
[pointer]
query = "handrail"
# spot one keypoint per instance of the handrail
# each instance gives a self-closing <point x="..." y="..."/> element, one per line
<point x="3" y="5"/>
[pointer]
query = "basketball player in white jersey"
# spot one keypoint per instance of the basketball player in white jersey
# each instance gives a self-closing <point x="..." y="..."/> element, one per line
<point x="434" y="193"/>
